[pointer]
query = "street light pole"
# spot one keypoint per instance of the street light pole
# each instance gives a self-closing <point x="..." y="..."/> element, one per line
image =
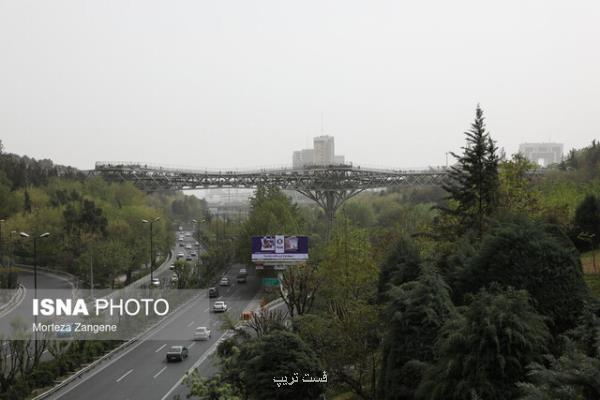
<point x="35" y="262"/>
<point x="145" y="221"/>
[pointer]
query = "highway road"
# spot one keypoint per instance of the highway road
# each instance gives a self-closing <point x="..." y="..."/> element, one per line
<point x="141" y="370"/>
<point x="45" y="281"/>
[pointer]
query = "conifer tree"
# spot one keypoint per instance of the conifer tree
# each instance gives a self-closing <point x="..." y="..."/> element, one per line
<point x="473" y="183"/>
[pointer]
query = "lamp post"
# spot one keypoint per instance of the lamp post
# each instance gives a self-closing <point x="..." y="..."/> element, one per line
<point x="35" y="239"/>
<point x="151" y="222"/>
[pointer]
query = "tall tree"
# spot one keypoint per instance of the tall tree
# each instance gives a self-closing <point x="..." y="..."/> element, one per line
<point x="517" y="192"/>
<point x="417" y="312"/>
<point x="484" y="350"/>
<point x="473" y="183"/>
<point x="402" y="265"/>
<point x="280" y="353"/>
<point x="26" y="202"/>
<point x="535" y="257"/>
<point x="299" y="284"/>
<point x="587" y="220"/>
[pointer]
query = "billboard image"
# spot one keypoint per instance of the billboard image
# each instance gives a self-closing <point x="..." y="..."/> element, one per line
<point x="279" y="248"/>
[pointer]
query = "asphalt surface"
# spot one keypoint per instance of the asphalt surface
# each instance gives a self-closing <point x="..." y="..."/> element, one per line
<point x="141" y="371"/>
<point x="45" y="281"/>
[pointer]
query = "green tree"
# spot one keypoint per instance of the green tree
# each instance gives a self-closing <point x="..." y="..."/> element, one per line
<point x="535" y="257"/>
<point x="417" y="311"/>
<point x="402" y="265"/>
<point x="299" y="285"/>
<point x="587" y="220"/>
<point x="212" y="388"/>
<point x="280" y="353"/>
<point x="483" y="350"/>
<point x="271" y="212"/>
<point x="26" y="202"/>
<point x="346" y="338"/>
<point x="473" y="183"/>
<point x="517" y="191"/>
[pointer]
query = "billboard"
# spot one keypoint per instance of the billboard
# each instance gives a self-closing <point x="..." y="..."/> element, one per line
<point x="279" y="248"/>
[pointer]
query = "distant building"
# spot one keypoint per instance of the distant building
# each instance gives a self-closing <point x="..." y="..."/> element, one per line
<point x="323" y="153"/>
<point x="303" y="157"/>
<point x="542" y="154"/>
<point x="324" y="147"/>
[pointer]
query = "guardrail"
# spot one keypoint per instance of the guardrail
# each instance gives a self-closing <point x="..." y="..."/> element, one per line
<point x="14" y="301"/>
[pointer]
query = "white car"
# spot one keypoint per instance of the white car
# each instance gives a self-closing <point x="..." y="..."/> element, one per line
<point x="155" y="282"/>
<point x="172" y="267"/>
<point x="202" y="333"/>
<point x="224" y="281"/>
<point x="219" y="306"/>
<point x="180" y="255"/>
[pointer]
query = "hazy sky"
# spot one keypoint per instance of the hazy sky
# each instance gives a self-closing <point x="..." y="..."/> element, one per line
<point x="243" y="83"/>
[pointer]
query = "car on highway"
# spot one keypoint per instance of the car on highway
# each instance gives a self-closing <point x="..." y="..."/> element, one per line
<point x="155" y="282"/>
<point x="242" y="276"/>
<point x="219" y="306"/>
<point x="177" y="353"/>
<point x="188" y="246"/>
<point x="180" y="255"/>
<point x="213" y="292"/>
<point x="202" y="333"/>
<point x="188" y="257"/>
<point x="224" y="281"/>
<point x="172" y="267"/>
<point x="193" y="254"/>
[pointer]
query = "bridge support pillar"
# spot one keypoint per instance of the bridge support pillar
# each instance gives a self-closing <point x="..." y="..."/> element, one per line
<point x="330" y="201"/>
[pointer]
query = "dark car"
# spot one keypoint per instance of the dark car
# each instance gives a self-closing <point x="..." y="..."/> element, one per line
<point x="213" y="292"/>
<point x="177" y="353"/>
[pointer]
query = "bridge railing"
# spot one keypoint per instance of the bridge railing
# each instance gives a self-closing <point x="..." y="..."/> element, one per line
<point x="275" y="169"/>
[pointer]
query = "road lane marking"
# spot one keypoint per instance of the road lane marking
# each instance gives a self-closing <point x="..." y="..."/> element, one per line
<point x="124" y="375"/>
<point x="160" y="348"/>
<point x="190" y="324"/>
<point x="159" y="372"/>
<point x="191" y="345"/>
<point x="207" y="308"/>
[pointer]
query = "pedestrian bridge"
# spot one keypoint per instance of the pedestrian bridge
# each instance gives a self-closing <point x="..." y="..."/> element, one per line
<point x="328" y="185"/>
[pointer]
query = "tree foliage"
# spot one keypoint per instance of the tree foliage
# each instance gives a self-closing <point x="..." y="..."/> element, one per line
<point x="535" y="257"/>
<point x="484" y="350"/>
<point x="417" y="311"/>
<point x="473" y="182"/>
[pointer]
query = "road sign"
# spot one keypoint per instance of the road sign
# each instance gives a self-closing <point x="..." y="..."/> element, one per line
<point x="270" y="282"/>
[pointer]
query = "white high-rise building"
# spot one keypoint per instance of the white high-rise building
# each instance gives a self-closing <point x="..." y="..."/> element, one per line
<point x="324" y="147"/>
<point x="323" y="153"/>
